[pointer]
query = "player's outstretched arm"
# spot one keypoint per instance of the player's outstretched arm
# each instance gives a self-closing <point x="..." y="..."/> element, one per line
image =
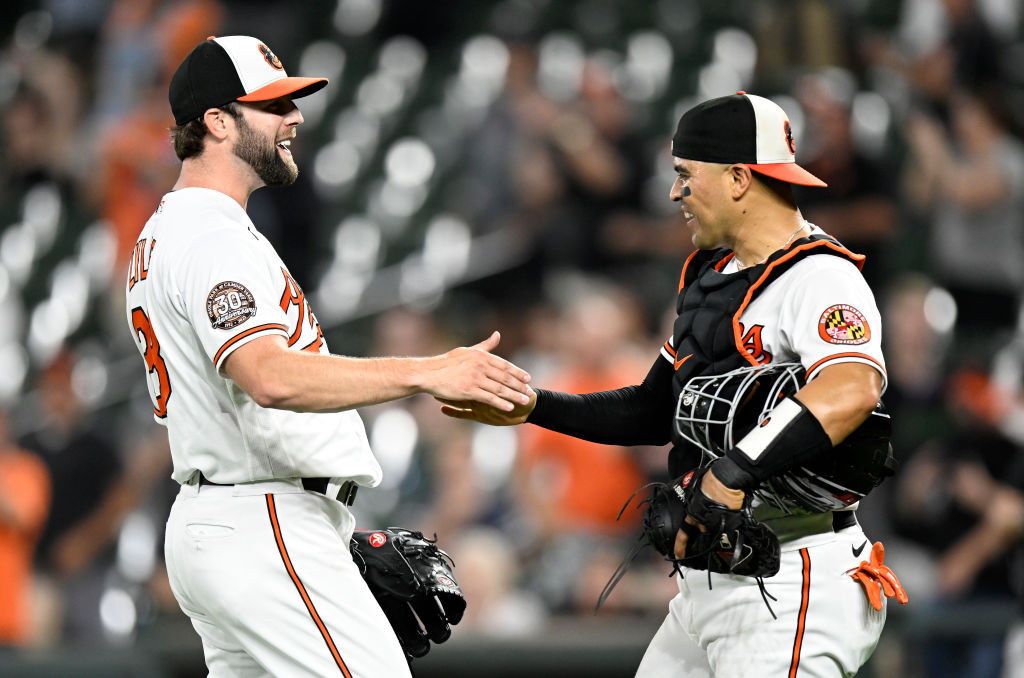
<point x="278" y="377"/>
<point x="630" y="415"/>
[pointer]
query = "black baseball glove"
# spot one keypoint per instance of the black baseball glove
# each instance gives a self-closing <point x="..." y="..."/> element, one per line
<point x="412" y="580"/>
<point x="733" y="541"/>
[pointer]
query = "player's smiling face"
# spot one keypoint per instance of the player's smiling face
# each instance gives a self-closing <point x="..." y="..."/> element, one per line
<point x="699" y="189"/>
<point x="265" y="132"/>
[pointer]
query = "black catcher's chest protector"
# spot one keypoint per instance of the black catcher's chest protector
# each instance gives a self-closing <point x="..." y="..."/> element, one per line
<point x="707" y="335"/>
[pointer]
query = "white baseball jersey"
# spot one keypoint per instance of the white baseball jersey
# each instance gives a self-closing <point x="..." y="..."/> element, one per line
<point x="203" y="282"/>
<point x="821" y="312"/>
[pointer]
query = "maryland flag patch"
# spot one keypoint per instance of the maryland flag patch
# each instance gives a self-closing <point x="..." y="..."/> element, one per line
<point x="843" y="324"/>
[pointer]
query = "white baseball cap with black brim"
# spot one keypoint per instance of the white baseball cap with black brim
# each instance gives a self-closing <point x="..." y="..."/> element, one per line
<point x="742" y="128"/>
<point x="232" y="68"/>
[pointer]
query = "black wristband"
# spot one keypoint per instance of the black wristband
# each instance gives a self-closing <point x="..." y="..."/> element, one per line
<point x="731" y="475"/>
<point x="789" y="435"/>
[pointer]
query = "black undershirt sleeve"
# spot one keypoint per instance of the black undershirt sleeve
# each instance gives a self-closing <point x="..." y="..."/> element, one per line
<point x="633" y="415"/>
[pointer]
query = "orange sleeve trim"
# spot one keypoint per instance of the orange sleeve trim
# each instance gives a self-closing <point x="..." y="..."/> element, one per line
<point x="272" y="510"/>
<point x="801" y="622"/>
<point x="857" y="259"/>
<point x="668" y="349"/>
<point x="835" y="356"/>
<point x="682" y="276"/>
<point x="249" y="332"/>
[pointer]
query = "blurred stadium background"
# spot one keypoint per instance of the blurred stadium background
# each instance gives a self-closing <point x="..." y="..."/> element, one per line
<point x="478" y="165"/>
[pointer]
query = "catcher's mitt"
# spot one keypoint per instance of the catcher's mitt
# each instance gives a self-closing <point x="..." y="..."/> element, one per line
<point x="734" y="542"/>
<point x="412" y="580"/>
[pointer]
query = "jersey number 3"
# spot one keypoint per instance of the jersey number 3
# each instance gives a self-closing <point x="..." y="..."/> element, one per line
<point x="154" y="361"/>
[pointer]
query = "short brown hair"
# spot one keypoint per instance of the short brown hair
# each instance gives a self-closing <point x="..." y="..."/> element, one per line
<point x="188" y="138"/>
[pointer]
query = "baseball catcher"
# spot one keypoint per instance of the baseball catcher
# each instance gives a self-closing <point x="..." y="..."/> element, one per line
<point x="751" y="460"/>
<point x="412" y="580"/>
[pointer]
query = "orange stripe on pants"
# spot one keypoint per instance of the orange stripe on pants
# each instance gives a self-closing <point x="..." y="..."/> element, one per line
<point x="805" y="594"/>
<point x="272" y="510"/>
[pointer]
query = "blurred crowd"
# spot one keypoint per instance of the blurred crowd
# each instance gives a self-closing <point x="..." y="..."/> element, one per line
<point x="911" y="111"/>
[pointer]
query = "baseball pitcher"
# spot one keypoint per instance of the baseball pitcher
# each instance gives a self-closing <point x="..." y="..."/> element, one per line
<point x="261" y="418"/>
<point x="769" y="391"/>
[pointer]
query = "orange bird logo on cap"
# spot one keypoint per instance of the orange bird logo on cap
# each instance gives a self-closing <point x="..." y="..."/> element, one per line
<point x="271" y="58"/>
<point x="790" y="142"/>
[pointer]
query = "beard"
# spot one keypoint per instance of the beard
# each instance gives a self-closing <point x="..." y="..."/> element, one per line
<point x="263" y="157"/>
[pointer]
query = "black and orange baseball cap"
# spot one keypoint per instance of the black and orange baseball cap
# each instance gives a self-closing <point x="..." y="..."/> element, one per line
<point x="232" y="68"/>
<point x="742" y="128"/>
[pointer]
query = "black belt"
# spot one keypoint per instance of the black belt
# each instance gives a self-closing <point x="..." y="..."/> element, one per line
<point x="346" y="493"/>
<point x="843" y="519"/>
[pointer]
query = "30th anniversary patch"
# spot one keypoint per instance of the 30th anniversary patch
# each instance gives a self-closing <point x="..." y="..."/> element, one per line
<point x="843" y="324"/>
<point x="229" y="304"/>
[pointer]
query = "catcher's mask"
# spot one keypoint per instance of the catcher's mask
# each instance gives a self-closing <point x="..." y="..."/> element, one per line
<point x="716" y="411"/>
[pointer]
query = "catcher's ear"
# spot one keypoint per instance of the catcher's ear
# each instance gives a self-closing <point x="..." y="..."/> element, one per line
<point x="739" y="179"/>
